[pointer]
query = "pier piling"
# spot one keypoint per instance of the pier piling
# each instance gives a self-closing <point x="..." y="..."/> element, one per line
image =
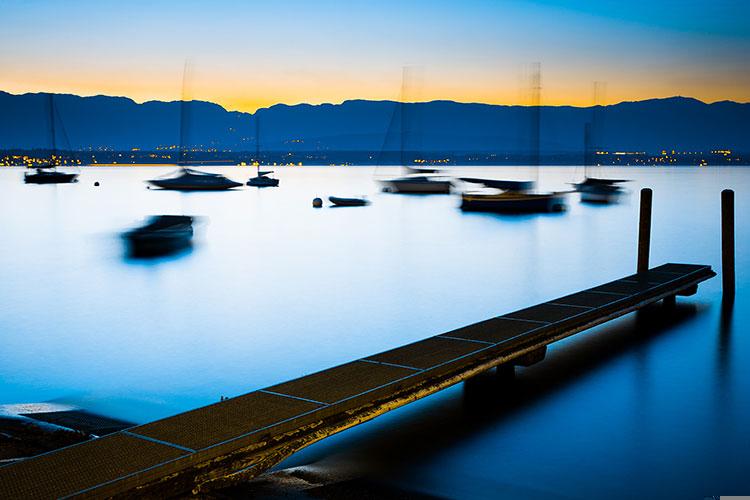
<point x="644" y="230"/>
<point x="727" y="242"/>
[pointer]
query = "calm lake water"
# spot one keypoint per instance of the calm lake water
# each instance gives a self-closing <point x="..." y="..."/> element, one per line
<point x="651" y="405"/>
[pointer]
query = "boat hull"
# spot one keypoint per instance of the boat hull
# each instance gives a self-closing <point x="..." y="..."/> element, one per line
<point x="600" y="191"/>
<point x="513" y="204"/>
<point x="49" y="178"/>
<point x="416" y="187"/>
<point x="600" y="197"/>
<point x="263" y="182"/>
<point x="348" y="202"/>
<point x="176" y="185"/>
<point x="164" y="235"/>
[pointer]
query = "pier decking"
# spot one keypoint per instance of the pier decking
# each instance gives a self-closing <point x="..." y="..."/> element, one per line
<point x="241" y="437"/>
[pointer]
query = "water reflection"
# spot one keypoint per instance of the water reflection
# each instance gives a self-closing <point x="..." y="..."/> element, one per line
<point x="725" y="335"/>
<point x="490" y="399"/>
<point x="724" y="399"/>
<point x="133" y="258"/>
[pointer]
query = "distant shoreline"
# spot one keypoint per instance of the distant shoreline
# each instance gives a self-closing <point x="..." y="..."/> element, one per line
<point x="431" y="159"/>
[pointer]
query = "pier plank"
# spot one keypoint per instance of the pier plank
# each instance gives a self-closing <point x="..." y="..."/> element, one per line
<point x="219" y="422"/>
<point x="342" y="382"/>
<point x="493" y="330"/>
<point x="429" y="352"/>
<point x="76" y="468"/>
<point x="547" y="313"/>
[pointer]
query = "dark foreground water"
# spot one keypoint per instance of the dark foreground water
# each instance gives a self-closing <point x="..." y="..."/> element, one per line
<point x="652" y="405"/>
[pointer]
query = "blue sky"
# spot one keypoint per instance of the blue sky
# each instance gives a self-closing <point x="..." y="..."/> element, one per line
<point x="246" y="54"/>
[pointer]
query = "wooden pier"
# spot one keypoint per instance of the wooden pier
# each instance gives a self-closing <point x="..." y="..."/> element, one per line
<point x="241" y="437"/>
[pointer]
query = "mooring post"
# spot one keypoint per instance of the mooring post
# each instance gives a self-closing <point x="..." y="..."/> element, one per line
<point x="644" y="230"/>
<point x="727" y="242"/>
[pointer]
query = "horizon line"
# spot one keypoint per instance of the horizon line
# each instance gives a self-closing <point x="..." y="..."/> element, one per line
<point x="372" y="100"/>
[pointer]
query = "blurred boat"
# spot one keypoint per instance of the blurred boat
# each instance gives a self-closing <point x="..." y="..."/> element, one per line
<point x="594" y="190"/>
<point x="418" y="181"/>
<point x="49" y="175"/>
<point x="161" y="235"/>
<point x="513" y="201"/>
<point x="501" y="184"/>
<point x="348" y="202"/>
<point x="261" y="179"/>
<point x="187" y="179"/>
<point x="414" y="180"/>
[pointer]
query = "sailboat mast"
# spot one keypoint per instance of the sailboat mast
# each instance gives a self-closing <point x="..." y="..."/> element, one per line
<point x="596" y="121"/>
<point x="587" y="149"/>
<point x="402" y="110"/>
<point x="53" y="137"/>
<point x="536" y="87"/>
<point x="257" y="141"/>
<point x="184" y="112"/>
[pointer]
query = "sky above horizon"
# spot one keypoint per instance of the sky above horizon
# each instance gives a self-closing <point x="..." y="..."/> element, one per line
<point x="249" y="54"/>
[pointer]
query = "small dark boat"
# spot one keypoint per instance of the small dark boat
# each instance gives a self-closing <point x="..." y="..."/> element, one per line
<point x="595" y="190"/>
<point x="162" y="235"/>
<point x="513" y="202"/>
<point x="418" y="184"/>
<point x="501" y="184"/>
<point x="49" y="175"/>
<point x="194" y="180"/>
<point x="262" y="181"/>
<point x="348" y="202"/>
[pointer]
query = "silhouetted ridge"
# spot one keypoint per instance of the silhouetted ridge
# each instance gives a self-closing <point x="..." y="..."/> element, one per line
<point x="680" y="123"/>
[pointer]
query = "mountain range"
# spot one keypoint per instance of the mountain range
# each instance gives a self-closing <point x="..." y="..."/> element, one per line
<point x="119" y="123"/>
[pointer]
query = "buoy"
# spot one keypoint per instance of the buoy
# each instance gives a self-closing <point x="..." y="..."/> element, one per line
<point x="96" y="183"/>
<point x="317" y="203"/>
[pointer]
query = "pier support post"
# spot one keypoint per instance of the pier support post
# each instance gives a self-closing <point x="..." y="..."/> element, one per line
<point x="531" y="358"/>
<point x="506" y="371"/>
<point x="644" y="230"/>
<point x="727" y="243"/>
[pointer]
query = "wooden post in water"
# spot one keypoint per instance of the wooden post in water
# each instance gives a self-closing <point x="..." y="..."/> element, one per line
<point x="727" y="242"/>
<point x="644" y="230"/>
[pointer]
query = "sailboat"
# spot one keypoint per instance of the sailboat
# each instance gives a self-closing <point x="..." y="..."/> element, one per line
<point x="414" y="180"/>
<point x="594" y="189"/>
<point x="48" y="174"/>
<point x="188" y="179"/>
<point x="418" y="181"/>
<point x="517" y="196"/>
<point x="261" y="179"/>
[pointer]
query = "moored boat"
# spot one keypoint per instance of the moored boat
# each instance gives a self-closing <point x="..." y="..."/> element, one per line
<point x="596" y="190"/>
<point x="161" y="235"/>
<point x="49" y="175"/>
<point x="348" y="202"/>
<point x="512" y="201"/>
<point x="261" y="179"/>
<point x="500" y="183"/>
<point x="417" y="184"/>
<point x="187" y="179"/>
